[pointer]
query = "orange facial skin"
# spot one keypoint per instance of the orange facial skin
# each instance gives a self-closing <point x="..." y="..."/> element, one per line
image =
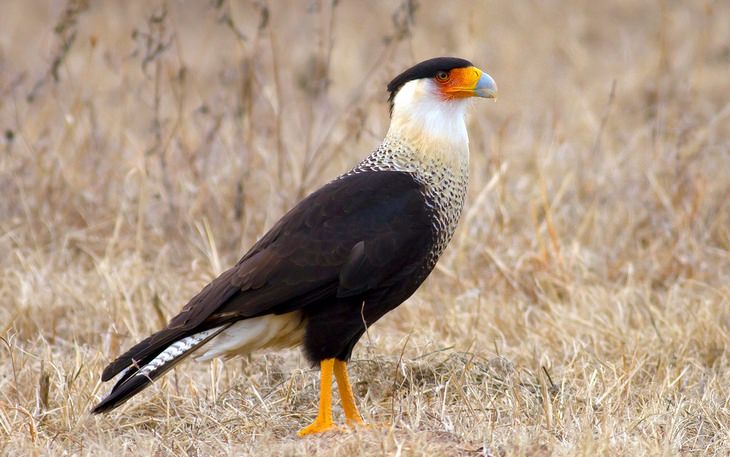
<point x="459" y="82"/>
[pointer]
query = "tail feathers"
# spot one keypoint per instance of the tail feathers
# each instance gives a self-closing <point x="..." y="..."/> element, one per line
<point x="141" y="353"/>
<point x="139" y="375"/>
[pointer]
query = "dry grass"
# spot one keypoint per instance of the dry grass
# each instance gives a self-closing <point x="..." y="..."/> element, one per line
<point x="583" y="307"/>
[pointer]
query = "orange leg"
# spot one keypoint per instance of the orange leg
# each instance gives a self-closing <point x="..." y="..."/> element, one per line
<point x="352" y="415"/>
<point x="323" y="422"/>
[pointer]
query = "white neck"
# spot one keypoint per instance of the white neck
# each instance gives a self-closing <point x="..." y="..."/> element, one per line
<point x="432" y="125"/>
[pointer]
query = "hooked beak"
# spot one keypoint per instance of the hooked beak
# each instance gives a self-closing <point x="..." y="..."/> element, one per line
<point x="469" y="82"/>
<point x="486" y="87"/>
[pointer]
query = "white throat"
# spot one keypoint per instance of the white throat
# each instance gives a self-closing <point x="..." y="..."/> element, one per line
<point x="421" y="116"/>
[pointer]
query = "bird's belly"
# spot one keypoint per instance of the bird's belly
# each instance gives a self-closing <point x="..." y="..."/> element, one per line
<point x="263" y="332"/>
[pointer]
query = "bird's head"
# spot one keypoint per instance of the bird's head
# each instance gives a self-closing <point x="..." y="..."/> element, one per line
<point x="429" y="100"/>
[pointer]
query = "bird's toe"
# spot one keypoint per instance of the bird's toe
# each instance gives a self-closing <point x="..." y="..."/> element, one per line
<point x="318" y="426"/>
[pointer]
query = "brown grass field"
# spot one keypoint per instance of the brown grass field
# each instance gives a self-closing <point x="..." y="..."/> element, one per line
<point x="582" y="309"/>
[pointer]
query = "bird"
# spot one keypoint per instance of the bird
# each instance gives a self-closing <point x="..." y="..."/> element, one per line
<point x="340" y="259"/>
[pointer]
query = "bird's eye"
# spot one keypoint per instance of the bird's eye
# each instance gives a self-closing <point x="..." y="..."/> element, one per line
<point x="442" y="75"/>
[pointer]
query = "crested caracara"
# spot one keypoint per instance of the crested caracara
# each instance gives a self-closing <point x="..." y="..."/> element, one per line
<point x="341" y="258"/>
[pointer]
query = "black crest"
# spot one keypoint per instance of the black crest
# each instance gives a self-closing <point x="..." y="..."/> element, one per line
<point x="426" y="69"/>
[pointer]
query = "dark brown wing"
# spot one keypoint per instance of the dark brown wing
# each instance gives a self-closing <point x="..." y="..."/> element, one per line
<point x="353" y="236"/>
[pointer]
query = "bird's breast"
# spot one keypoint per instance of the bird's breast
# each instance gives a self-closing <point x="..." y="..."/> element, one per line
<point x="442" y="170"/>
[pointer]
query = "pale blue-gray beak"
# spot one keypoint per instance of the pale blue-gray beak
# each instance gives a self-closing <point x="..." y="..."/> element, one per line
<point x="486" y="87"/>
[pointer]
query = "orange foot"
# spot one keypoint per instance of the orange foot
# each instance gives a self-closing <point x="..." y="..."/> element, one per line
<point x="355" y="422"/>
<point x="318" y="426"/>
